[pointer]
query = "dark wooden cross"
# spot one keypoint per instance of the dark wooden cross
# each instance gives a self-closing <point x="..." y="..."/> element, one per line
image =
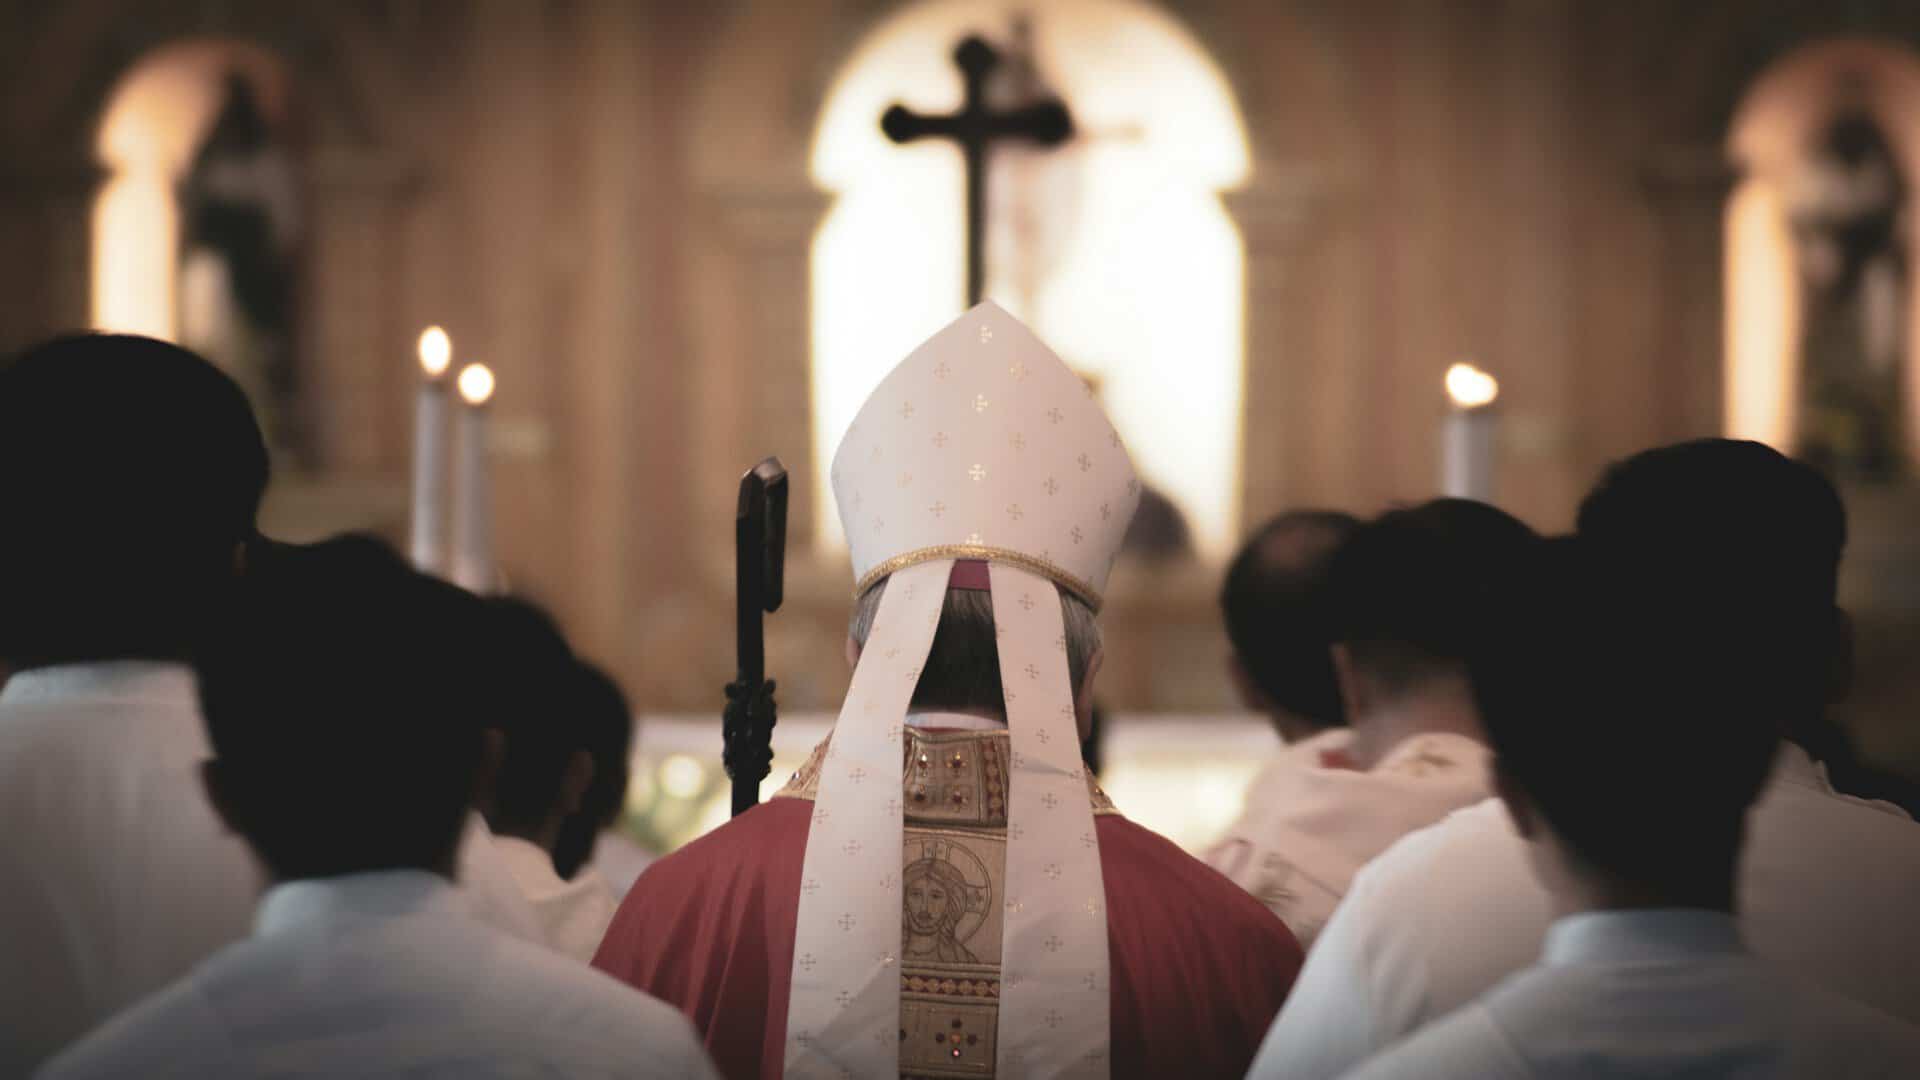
<point x="976" y="127"/>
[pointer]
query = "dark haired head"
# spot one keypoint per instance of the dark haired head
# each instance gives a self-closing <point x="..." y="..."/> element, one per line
<point x="1755" y="540"/>
<point x="529" y="675"/>
<point x="133" y="471"/>
<point x="1409" y="588"/>
<point x="339" y="699"/>
<point x="605" y="728"/>
<point x="1629" y="735"/>
<point x="1274" y="604"/>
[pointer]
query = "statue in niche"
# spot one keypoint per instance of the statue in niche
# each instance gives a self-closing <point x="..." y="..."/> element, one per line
<point x="240" y="212"/>
<point x="1847" y="207"/>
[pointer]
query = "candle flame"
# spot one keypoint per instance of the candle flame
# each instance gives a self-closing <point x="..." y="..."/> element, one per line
<point x="476" y="384"/>
<point x="1471" y="388"/>
<point x="436" y="351"/>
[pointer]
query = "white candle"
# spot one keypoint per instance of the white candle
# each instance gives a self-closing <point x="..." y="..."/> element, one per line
<point x="1466" y="444"/>
<point x="427" y="540"/>
<point x="473" y="566"/>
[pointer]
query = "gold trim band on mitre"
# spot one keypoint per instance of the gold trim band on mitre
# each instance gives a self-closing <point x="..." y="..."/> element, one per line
<point x="1024" y="561"/>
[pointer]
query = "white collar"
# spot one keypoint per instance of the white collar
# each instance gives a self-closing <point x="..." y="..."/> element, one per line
<point x="1640" y="936"/>
<point x="1441" y="743"/>
<point x="1793" y="765"/>
<point x="116" y="680"/>
<point x="374" y="895"/>
<point x="954" y="721"/>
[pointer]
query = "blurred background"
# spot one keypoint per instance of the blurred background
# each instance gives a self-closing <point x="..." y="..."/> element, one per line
<point x="677" y="235"/>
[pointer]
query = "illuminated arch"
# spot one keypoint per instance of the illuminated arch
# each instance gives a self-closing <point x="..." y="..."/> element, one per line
<point x="154" y="119"/>
<point x="1777" y="117"/>
<point x="1144" y="286"/>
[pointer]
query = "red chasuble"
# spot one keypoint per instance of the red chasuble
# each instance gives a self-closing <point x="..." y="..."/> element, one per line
<point x="1199" y="967"/>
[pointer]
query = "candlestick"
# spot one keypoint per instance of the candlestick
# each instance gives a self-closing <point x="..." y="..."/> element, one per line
<point x="427" y="540"/>
<point x="1466" y="442"/>
<point x="473" y="566"/>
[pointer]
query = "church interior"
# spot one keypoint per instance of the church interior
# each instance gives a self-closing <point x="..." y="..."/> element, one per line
<point x="679" y="239"/>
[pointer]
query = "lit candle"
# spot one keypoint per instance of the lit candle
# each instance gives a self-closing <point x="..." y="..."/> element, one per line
<point x="1466" y="449"/>
<point x="472" y="492"/>
<point x="427" y="542"/>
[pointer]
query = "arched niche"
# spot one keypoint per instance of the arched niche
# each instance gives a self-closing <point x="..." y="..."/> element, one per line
<point x="1778" y="118"/>
<point x="1132" y="267"/>
<point x="154" y="120"/>
<point x="764" y="80"/>
<point x="139" y="107"/>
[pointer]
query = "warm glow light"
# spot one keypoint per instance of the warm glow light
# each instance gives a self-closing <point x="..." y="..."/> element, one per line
<point x="682" y="777"/>
<point x="1762" y="317"/>
<point x="1126" y="262"/>
<point x="436" y="353"/>
<point x="476" y="384"/>
<point x="1471" y="388"/>
<point x="155" y="119"/>
<point x="1191" y="801"/>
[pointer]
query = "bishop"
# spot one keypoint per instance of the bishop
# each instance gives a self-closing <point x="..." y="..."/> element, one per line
<point x="943" y="889"/>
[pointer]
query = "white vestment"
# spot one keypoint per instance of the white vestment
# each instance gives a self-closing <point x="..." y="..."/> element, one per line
<point x="1826" y="892"/>
<point x="573" y="915"/>
<point x="387" y="975"/>
<point x="1326" y="748"/>
<point x="1309" y="827"/>
<point x="619" y="860"/>
<point x="115" y="876"/>
<point x="1653" y="993"/>
<point x="493" y="896"/>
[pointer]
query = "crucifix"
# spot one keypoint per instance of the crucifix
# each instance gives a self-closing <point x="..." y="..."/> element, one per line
<point x="976" y="127"/>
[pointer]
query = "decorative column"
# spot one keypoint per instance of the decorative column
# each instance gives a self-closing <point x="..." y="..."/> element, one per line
<point x="1687" y="188"/>
<point x="1276" y="218"/>
<point x="46" y="221"/>
<point x="767" y="240"/>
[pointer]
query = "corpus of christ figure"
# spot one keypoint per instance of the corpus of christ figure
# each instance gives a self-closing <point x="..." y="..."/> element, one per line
<point x="975" y="127"/>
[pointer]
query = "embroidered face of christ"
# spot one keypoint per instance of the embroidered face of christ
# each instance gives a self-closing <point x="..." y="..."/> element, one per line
<point x="935" y="899"/>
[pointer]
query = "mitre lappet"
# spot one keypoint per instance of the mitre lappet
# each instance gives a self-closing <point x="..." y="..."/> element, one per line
<point x="980" y="462"/>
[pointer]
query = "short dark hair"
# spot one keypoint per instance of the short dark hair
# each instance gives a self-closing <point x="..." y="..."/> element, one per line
<point x="339" y="699"/>
<point x="132" y="470"/>
<point x="1408" y="589"/>
<point x="1274" y="604"/>
<point x="529" y="675"/>
<point x="1629" y="733"/>
<point x="605" y="724"/>
<point x="1754" y="537"/>
<point x="963" y="662"/>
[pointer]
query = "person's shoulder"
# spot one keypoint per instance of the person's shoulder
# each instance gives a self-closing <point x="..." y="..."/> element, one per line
<point x="1466" y="1044"/>
<point x="99" y="733"/>
<point x="603" y="1012"/>
<point x="177" y="1026"/>
<point x="1469" y="836"/>
<point x="1836" y="836"/>
<point x="741" y="845"/>
<point x="1144" y="866"/>
<point x="542" y="975"/>
<point x="1435" y="881"/>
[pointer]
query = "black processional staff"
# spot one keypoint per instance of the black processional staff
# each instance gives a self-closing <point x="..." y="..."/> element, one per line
<point x="760" y="556"/>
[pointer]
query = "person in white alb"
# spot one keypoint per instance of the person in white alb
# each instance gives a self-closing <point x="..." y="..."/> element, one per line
<point x="1400" y="604"/>
<point x="132" y="470"/>
<point x="591" y="839"/>
<point x="986" y="910"/>
<point x="543" y="704"/>
<point x="1273" y="607"/>
<point x="346" y="755"/>
<point x="1643" y="972"/>
<point x="1826" y="884"/>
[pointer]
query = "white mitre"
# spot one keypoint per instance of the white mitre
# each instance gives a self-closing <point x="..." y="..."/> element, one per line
<point x="981" y="445"/>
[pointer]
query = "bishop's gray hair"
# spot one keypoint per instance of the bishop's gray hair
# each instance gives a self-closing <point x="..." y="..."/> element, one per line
<point x="963" y="666"/>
